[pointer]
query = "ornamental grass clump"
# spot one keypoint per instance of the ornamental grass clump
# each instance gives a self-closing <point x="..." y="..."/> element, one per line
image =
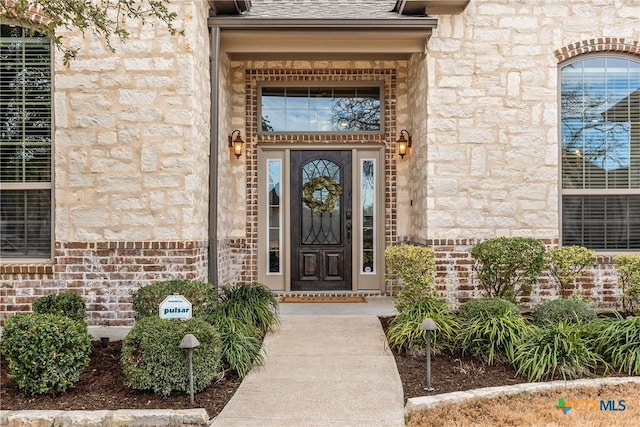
<point x="570" y="310"/>
<point x="244" y="314"/>
<point x="404" y="332"/>
<point x="566" y="264"/>
<point x="508" y="267"/>
<point x="628" y="269"/>
<point x="556" y="350"/>
<point x="490" y="329"/>
<point x="252" y="302"/>
<point x="618" y="341"/>
<point x="46" y="352"/>
<point x="415" y="266"/>
<point x="152" y="359"/>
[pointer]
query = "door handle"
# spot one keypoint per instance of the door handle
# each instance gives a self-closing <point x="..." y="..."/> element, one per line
<point x="348" y="226"/>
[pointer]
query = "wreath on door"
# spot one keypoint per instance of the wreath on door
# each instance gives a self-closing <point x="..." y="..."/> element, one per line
<point x="322" y="184"/>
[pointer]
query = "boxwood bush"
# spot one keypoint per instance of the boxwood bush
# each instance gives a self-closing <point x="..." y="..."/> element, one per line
<point x="152" y="360"/>
<point x="570" y="310"/>
<point x="46" y="352"/>
<point x="415" y="266"/>
<point x="486" y="307"/>
<point x="508" y="267"/>
<point x="67" y="304"/>
<point x="147" y="299"/>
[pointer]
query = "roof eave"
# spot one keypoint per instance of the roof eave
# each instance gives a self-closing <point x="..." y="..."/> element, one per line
<point x="380" y="24"/>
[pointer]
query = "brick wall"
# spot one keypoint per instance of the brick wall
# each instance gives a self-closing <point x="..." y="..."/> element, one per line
<point x="104" y="273"/>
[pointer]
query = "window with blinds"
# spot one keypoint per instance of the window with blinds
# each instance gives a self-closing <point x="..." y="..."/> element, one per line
<point x="25" y="144"/>
<point x="600" y="132"/>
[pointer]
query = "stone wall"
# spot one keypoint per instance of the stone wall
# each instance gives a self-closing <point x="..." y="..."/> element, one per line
<point x="131" y="162"/>
<point x="492" y="104"/>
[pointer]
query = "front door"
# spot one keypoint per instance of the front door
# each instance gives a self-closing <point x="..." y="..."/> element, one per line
<point x="321" y="216"/>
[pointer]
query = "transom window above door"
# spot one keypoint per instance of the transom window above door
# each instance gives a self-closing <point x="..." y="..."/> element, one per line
<point x="331" y="109"/>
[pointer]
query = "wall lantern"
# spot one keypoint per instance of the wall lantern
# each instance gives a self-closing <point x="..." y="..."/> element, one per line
<point x="403" y="143"/>
<point x="236" y="144"/>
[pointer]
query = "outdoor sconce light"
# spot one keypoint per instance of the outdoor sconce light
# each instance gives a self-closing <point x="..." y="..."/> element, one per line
<point x="428" y="325"/>
<point x="236" y="144"/>
<point x="403" y="143"/>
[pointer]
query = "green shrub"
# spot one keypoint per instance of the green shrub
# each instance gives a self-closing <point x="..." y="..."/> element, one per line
<point x="555" y="349"/>
<point x="508" y="267"/>
<point x="566" y="264"/>
<point x="492" y="336"/>
<point x="46" y="352"/>
<point x="252" y="302"/>
<point x="570" y="310"/>
<point x="618" y="341"/>
<point x="415" y="266"/>
<point x="66" y="304"/>
<point x="628" y="269"/>
<point x="152" y="360"/>
<point x="404" y="332"/>
<point x="486" y="308"/>
<point x="147" y="299"/>
<point x="239" y="343"/>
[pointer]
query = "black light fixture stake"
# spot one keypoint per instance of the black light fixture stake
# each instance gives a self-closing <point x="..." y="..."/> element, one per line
<point x="189" y="342"/>
<point x="428" y="325"/>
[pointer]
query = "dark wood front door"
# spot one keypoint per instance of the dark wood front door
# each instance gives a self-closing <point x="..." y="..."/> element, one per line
<point x="320" y="228"/>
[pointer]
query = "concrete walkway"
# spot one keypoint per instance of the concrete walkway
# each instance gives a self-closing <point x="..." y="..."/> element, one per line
<point x="326" y="365"/>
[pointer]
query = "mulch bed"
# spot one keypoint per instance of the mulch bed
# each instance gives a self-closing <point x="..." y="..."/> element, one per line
<point x="101" y="386"/>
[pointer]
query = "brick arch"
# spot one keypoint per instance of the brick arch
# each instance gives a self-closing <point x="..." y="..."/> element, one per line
<point x="35" y="12"/>
<point x="602" y="44"/>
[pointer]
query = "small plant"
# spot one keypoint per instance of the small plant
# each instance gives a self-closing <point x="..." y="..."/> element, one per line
<point x="147" y="299"/>
<point x="46" y="352"/>
<point x="570" y="310"/>
<point x="628" y="269"/>
<point x="66" y="304"/>
<point x="152" y="360"/>
<point x="555" y="349"/>
<point x="566" y="265"/>
<point x="486" y="308"/>
<point x="404" y="332"/>
<point x="618" y="341"/>
<point x="252" y="302"/>
<point x="492" y="337"/>
<point x="508" y="267"/>
<point x="415" y="266"/>
<point x="239" y="343"/>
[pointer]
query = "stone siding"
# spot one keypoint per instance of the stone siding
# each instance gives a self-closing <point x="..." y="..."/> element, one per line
<point x="492" y="150"/>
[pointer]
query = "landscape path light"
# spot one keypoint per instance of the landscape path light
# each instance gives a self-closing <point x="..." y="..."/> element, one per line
<point x="428" y="325"/>
<point x="189" y="342"/>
